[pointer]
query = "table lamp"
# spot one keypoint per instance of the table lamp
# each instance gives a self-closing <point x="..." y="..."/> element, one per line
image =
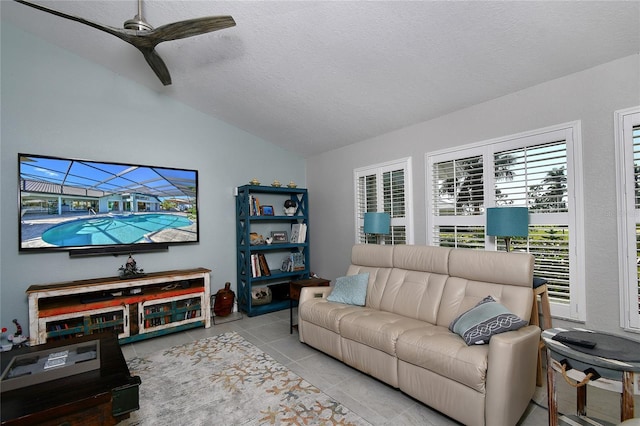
<point x="508" y="222"/>
<point x="378" y="224"/>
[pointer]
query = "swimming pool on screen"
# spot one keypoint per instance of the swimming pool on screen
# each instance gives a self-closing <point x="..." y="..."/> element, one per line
<point x="112" y="229"/>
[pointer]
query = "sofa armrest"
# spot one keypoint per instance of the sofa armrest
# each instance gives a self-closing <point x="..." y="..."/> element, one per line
<point x="511" y="374"/>
<point x="307" y="293"/>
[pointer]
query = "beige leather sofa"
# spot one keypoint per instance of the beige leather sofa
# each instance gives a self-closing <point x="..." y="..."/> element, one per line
<point x="401" y="335"/>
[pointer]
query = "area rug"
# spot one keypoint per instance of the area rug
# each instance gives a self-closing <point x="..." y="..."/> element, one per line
<point x="226" y="380"/>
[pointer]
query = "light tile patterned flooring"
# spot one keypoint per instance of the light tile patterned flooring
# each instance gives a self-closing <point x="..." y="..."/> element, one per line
<point x="373" y="400"/>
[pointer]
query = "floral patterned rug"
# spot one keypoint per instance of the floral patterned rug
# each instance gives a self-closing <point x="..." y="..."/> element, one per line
<point x="226" y="380"/>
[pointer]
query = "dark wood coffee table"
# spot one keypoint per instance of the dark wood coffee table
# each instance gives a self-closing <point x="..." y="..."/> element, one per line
<point x="103" y="396"/>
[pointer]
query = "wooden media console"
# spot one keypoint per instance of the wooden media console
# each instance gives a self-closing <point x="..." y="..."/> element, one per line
<point x="135" y="308"/>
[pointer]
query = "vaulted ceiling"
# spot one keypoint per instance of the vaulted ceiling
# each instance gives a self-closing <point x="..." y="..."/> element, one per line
<point x="312" y="76"/>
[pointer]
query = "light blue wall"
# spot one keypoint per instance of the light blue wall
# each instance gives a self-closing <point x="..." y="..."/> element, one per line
<point x="55" y="103"/>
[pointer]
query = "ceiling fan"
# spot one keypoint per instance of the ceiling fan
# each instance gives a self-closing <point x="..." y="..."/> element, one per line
<point x="145" y="38"/>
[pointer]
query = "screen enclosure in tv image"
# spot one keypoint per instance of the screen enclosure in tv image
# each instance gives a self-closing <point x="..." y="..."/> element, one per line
<point x="95" y="207"/>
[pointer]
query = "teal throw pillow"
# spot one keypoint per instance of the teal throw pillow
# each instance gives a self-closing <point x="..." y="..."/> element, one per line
<point x="487" y="318"/>
<point x="351" y="290"/>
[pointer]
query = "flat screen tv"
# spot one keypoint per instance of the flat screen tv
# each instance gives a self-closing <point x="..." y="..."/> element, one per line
<point x="97" y="208"/>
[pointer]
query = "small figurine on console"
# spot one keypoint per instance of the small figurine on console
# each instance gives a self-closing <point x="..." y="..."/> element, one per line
<point x="17" y="339"/>
<point x="130" y="269"/>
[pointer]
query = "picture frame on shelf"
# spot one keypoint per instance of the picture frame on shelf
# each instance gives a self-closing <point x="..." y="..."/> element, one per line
<point x="279" y="237"/>
<point x="266" y="210"/>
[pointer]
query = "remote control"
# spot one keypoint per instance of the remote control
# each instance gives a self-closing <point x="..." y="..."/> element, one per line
<point x="60" y="354"/>
<point x="574" y="341"/>
<point x="57" y="362"/>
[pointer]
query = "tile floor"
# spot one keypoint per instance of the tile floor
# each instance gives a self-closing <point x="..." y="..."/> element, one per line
<point x="375" y="401"/>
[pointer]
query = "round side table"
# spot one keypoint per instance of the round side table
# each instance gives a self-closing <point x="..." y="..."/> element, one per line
<point x="580" y="365"/>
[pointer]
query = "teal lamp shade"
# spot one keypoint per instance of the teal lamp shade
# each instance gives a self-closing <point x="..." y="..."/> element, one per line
<point x="508" y="222"/>
<point x="377" y="223"/>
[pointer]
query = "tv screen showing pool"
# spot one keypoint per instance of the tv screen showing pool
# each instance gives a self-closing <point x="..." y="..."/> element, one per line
<point x="71" y="204"/>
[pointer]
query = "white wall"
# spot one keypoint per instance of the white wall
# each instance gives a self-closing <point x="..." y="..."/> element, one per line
<point x="591" y="96"/>
<point x="55" y="103"/>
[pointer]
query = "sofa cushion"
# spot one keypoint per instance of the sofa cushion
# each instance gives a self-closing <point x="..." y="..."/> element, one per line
<point x="514" y="269"/>
<point x="326" y="314"/>
<point x="377" y="329"/>
<point x="413" y="294"/>
<point x="351" y="290"/>
<point x="461" y="294"/>
<point x="422" y="258"/>
<point x="373" y="255"/>
<point x="487" y="318"/>
<point x="437" y="349"/>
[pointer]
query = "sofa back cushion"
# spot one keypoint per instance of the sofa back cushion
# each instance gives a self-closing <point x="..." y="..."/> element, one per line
<point x="378" y="256"/>
<point x="492" y="266"/>
<point x="476" y="274"/>
<point x="432" y="259"/>
<point x="416" y="282"/>
<point x="413" y="294"/>
<point x="377" y="261"/>
<point x="436" y="284"/>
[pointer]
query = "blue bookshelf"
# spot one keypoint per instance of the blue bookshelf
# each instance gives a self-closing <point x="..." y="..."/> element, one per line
<point x="251" y="257"/>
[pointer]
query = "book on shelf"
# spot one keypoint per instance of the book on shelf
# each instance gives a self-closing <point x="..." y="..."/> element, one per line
<point x="259" y="266"/>
<point x="254" y="206"/>
<point x="298" y="233"/>
<point x="255" y="266"/>
<point x="264" y="266"/>
<point x="293" y="262"/>
<point x="298" y="261"/>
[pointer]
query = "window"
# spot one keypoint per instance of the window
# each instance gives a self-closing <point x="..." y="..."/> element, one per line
<point x="385" y="188"/>
<point x="628" y="189"/>
<point x="457" y="200"/>
<point x="539" y="170"/>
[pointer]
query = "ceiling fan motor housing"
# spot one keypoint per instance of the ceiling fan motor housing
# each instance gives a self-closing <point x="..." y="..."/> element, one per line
<point x="137" y="24"/>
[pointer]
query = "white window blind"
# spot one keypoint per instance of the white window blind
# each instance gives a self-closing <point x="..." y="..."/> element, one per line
<point x="457" y="191"/>
<point x="532" y="176"/>
<point x="458" y="187"/>
<point x="385" y="188"/>
<point x="535" y="170"/>
<point x="628" y="188"/>
<point x="535" y="176"/>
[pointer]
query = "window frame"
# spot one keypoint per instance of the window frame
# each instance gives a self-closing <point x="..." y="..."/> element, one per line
<point x="571" y="133"/>
<point x="624" y="121"/>
<point x="378" y="170"/>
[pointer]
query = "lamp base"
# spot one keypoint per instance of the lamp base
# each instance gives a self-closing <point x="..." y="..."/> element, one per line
<point x="379" y="239"/>
<point x="507" y="242"/>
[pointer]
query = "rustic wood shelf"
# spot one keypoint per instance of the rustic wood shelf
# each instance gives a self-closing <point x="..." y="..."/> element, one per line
<point x="136" y="308"/>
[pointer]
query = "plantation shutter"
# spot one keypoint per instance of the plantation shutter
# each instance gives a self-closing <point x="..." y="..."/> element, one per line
<point x="538" y="170"/>
<point x="628" y="185"/>
<point x="457" y="194"/>
<point x="635" y="304"/>
<point x="383" y="188"/>
<point x="535" y="177"/>
<point x="393" y="184"/>
<point x="367" y="202"/>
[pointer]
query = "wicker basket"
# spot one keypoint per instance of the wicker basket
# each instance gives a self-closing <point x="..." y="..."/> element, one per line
<point x="260" y="296"/>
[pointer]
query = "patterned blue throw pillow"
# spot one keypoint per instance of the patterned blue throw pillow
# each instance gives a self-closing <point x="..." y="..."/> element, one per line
<point x="487" y="318"/>
<point x="351" y="290"/>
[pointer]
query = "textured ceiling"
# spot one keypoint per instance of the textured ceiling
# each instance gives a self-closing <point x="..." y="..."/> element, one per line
<point x="314" y="76"/>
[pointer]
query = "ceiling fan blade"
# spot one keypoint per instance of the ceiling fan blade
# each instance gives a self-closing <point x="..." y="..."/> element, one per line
<point x="191" y="27"/>
<point x="157" y="65"/>
<point x="146" y="40"/>
<point x="111" y="30"/>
